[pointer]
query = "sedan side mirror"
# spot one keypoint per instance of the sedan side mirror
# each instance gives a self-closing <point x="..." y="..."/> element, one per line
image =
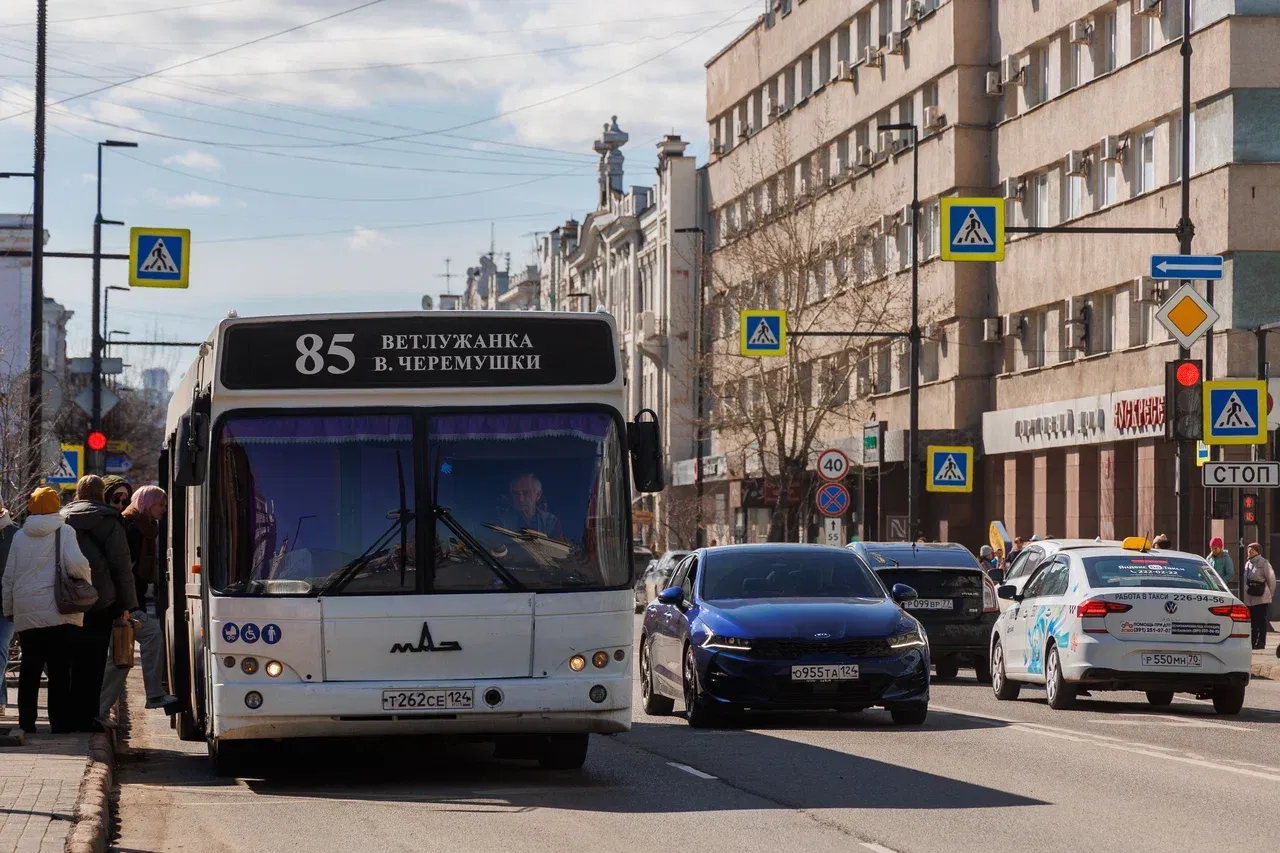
<point x="996" y="575"/>
<point x="1009" y="592"/>
<point x="671" y="595"/>
<point x="902" y="592"/>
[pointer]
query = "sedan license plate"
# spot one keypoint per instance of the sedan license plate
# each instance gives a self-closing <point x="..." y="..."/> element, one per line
<point x="929" y="604"/>
<point x="825" y="672"/>
<point x="435" y="699"/>
<point x="1171" y="659"/>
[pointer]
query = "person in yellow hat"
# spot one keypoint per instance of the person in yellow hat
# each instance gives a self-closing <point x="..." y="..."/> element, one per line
<point x="49" y="638"/>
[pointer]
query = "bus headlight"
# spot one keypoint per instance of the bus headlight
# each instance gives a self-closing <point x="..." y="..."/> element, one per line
<point x="577" y="663"/>
<point x="249" y="666"/>
<point x="274" y="668"/>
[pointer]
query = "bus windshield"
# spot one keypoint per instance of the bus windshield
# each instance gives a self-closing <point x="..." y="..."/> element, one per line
<point x="344" y="504"/>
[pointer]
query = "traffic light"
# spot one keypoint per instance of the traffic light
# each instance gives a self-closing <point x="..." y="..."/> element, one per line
<point x="97" y="441"/>
<point x="1250" y="515"/>
<point x="1222" y="501"/>
<point x="1183" y="400"/>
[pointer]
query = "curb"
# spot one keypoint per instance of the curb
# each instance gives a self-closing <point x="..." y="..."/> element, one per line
<point x="1266" y="670"/>
<point x="91" y="830"/>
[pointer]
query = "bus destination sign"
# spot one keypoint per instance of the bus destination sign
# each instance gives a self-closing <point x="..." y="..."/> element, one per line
<point x="429" y="351"/>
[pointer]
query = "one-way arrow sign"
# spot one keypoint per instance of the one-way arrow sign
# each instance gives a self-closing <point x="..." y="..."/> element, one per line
<point x="1197" y="267"/>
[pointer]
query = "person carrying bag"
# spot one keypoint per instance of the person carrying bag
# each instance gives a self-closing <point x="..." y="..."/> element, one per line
<point x="39" y="558"/>
<point x="1259" y="589"/>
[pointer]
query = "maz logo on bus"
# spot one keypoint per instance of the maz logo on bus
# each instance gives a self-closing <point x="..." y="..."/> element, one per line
<point x="426" y="644"/>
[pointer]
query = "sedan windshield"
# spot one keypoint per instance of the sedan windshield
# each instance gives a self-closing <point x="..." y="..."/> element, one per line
<point x="1150" y="570"/>
<point x="733" y="574"/>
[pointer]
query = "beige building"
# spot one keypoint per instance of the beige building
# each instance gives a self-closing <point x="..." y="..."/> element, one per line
<point x="1050" y="363"/>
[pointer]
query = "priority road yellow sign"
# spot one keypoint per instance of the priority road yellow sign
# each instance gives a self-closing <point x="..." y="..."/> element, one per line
<point x="972" y="229"/>
<point x="763" y="333"/>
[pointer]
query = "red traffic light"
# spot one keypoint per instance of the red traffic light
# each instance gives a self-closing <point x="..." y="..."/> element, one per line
<point x="1188" y="374"/>
<point x="97" y="440"/>
<point x="1250" y="501"/>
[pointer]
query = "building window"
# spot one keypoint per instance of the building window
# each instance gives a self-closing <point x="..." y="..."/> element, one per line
<point x="862" y="24"/>
<point x="836" y="382"/>
<point x="1104" y="44"/>
<point x="789" y="85"/>
<point x="806" y="385"/>
<point x="1038" y="87"/>
<point x="930" y="235"/>
<point x="805" y="69"/>
<point x="824" y="61"/>
<point x="1038" y="203"/>
<point x="901" y="364"/>
<point x="906" y="115"/>
<point x="1107" y="183"/>
<point x="842" y="45"/>
<point x="1141" y="320"/>
<point x="929" y="95"/>
<point x="884" y="11"/>
<point x="930" y="360"/>
<point x="884" y="361"/>
<point x="842" y="155"/>
<point x="1070" y="70"/>
<point x="1102" y="322"/>
<point x="1033" y="339"/>
<point x="906" y="245"/>
<point x="1144" y="162"/>
<point x="1074" y="189"/>
<point x="1143" y="28"/>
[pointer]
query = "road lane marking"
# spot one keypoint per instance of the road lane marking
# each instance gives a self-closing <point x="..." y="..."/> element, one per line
<point x="1271" y="774"/>
<point x="1172" y="722"/>
<point x="693" y="771"/>
<point x="877" y="848"/>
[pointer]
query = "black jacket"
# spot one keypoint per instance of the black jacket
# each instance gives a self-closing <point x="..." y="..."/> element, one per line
<point x="102" y="539"/>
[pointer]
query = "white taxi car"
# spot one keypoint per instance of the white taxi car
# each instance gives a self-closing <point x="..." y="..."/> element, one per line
<point x="1123" y="618"/>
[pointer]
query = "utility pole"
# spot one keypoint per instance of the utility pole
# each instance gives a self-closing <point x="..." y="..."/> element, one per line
<point x="35" y="365"/>
<point x="1186" y="231"/>
<point x="699" y="425"/>
<point x="97" y="340"/>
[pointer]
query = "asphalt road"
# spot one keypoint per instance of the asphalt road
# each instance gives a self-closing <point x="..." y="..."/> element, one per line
<point x="980" y="774"/>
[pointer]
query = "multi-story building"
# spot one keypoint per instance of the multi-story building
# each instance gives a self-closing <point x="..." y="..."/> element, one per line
<point x="637" y="257"/>
<point x="1089" y="132"/>
<point x="487" y="283"/>
<point x="1051" y="362"/>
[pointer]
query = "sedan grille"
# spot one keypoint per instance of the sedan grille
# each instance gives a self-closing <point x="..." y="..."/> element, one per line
<point x="793" y="649"/>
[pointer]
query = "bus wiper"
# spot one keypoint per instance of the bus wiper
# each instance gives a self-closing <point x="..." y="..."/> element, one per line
<point x="347" y="572"/>
<point x="443" y="513"/>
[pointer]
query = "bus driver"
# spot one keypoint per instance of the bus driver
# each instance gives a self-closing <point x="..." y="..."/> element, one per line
<point x="527" y="511"/>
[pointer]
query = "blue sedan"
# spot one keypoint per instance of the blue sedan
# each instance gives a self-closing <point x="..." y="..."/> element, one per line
<point x="781" y="627"/>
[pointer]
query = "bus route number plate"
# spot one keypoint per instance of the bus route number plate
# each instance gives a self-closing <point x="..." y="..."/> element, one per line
<point x="436" y="699"/>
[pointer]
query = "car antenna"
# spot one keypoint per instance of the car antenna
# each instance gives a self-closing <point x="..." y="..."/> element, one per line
<point x="1146" y="543"/>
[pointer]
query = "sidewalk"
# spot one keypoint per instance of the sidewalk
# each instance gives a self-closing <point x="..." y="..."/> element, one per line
<point x="1265" y="663"/>
<point x="39" y="785"/>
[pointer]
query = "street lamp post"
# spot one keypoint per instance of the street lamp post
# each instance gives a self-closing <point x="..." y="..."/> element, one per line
<point x="97" y="340"/>
<point x="913" y="336"/>
<point x="106" y="307"/>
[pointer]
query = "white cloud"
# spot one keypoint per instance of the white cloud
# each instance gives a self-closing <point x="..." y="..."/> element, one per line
<point x="193" y="200"/>
<point x="362" y="239"/>
<point x="194" y="159"/>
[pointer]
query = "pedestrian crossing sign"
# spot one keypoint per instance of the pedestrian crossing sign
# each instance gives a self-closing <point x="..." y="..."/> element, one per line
<point x="69" y="466"/>
<point x="1235" y="411"/>
<point x="950" y="469"/>
<point x="972" y="229"/>
<point x="159" y="257"/>
<point x="763" y="333"/>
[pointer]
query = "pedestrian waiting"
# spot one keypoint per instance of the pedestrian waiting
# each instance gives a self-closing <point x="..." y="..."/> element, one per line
<point x="40" y="551"/>
<point x="8" y="527"/>
<point x="1259" y="589"/>
<point x="1221" y="560"/>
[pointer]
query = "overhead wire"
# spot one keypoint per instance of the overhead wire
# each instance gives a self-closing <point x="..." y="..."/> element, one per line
<point x="32" y="23"/>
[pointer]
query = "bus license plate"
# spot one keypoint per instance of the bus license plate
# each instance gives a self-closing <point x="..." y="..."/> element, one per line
<point x="436" y="699"/>
<point x="825" y="672"/>
<point x="1166" y="659"/>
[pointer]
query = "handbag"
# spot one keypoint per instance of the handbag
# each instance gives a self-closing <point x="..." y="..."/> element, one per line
<point x="70" y="594"/>
<point x="1255" y="588"/>
<point x="122" y="643"/>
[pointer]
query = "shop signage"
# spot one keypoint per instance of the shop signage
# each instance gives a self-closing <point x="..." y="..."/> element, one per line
<point x="1117" y="416"/>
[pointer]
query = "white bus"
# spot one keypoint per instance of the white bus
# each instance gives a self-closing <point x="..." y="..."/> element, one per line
<point x="390" y="524"/>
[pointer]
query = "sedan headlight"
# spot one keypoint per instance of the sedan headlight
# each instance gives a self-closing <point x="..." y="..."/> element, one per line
<point x="729" y="644"/>
<point x="911" y="639"/>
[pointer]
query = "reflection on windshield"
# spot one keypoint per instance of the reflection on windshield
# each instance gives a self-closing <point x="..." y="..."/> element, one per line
<point x="541" y="493"/>
<point x="1150" y="570"/>
<point x="305" y="497"/>
<point x="741" y="574"/>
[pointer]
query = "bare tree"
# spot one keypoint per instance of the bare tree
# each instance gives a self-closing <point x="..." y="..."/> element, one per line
<point x="788" y="241"/>
<point x="15" y="451"/>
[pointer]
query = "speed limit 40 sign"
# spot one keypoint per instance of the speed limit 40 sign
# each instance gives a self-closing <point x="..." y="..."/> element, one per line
<point x="833" y="465"/>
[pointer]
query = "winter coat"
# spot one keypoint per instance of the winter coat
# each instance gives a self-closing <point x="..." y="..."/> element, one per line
<point x="103" y="541"/>
<point x="142" y="532"/>
<point x="1223" y="565"/>
<point x="8" y="527"/>
<point x="1258" y="569"/>
<point x="30" y="569"/>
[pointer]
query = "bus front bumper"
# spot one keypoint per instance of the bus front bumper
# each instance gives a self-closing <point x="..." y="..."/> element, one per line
<point x="354" y="709"/>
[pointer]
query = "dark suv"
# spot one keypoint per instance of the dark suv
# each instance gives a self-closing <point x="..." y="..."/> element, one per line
<point x="956" y="600"/>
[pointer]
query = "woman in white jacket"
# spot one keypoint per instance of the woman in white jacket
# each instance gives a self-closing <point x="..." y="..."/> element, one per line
<point x="48" y="637"/>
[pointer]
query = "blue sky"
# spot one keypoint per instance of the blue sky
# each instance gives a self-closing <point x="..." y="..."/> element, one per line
<point x="276" y="154"/>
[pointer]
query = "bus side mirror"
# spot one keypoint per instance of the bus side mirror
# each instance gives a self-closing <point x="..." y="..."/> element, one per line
<point x="645" y="444"/>
<point x="191" y="450"/>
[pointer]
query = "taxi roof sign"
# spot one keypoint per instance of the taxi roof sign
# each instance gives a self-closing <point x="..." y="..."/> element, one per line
<point x="972" y="229"/>
<point x="1136" y="543"/>
<point x="763" y="333"/>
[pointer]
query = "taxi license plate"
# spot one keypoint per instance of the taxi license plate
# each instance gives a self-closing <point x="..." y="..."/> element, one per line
<point x="825" y="672"/>
<point x="929" y="604"/>
<point x="1171" y="659"/>
<point x="435" y="699"/>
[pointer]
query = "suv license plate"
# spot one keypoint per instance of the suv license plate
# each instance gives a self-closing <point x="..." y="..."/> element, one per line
<point x="1170" y="659"/>
<point x="435" y="699"/>
<point x="825" y="672"/>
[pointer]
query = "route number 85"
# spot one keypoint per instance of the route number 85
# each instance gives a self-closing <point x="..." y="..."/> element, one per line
<point x="311" y="361"/>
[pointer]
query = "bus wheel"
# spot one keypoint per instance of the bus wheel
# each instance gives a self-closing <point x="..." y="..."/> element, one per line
<point x="564" y="752"/>
<point x="226" y="758"/>
<point x="185" y="724"/>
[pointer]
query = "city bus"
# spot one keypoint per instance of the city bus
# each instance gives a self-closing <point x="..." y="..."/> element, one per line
<point x="404" y="524"/>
